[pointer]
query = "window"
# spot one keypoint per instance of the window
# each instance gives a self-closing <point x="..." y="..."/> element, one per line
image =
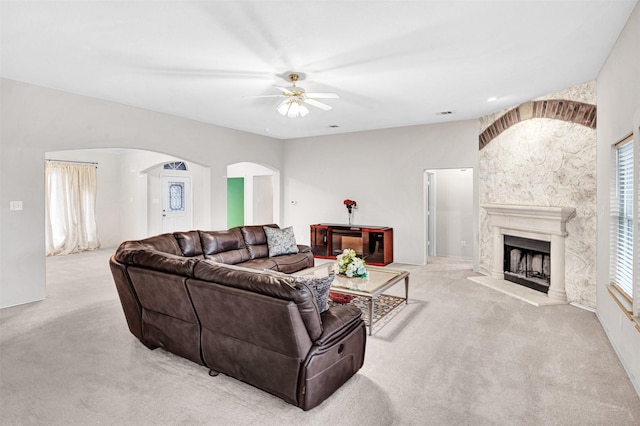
<point x="176" y="165"/>
<point x="70" y="204"/>
<point x="622" y="270"/>
<point x="176" y="197"/>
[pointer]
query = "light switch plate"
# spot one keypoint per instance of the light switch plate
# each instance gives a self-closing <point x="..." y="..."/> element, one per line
<point x="15" y="205"/>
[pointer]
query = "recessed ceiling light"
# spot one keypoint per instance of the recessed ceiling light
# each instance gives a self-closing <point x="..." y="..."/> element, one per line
<point x="334" y="126"/>
<point x="493" y="98"/>
<point x="444" y="113"/>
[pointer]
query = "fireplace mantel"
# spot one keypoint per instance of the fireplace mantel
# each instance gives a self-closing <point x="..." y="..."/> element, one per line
<point x="540" y="219"/>
<point x="535" y="222"/>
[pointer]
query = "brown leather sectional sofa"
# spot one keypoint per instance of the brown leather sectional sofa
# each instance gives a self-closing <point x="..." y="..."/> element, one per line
<point x="219" y="300"/>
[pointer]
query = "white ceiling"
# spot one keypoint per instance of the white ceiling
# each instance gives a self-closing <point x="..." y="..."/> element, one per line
<point x="393" y="63"/>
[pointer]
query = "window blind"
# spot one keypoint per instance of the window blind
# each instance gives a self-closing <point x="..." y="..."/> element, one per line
<point x="622" y="262"/>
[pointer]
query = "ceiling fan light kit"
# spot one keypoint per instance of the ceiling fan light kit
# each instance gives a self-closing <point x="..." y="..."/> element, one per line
<point x="292" y="106"/>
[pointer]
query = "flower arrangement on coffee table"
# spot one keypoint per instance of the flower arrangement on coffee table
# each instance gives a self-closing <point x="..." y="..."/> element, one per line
<point x="350" y="265"/>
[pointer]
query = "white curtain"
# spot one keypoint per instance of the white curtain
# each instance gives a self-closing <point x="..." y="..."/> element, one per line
<point x="70" y="207"/>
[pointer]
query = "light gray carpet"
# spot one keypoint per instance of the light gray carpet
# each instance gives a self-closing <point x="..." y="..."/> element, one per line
<point x="459" y="353"/>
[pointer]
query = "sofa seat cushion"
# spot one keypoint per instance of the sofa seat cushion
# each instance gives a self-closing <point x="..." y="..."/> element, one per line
<point x="293" y="262"/>
<point x="231" y="257"/>
<point x="280" y="241"/>
<point x="242" y="268"/>
<point x="265" y="263"/>
<point x="336" y="320"/>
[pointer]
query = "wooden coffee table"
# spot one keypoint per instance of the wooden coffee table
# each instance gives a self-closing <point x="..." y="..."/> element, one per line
<point x="379" y="280"/>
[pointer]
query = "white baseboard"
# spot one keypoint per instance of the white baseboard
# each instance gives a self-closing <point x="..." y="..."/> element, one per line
<point x="634" y="383"/>
<point x="586" y="308"/>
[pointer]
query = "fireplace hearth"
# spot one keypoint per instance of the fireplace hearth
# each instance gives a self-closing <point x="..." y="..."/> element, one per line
<point x="527" y="262"/>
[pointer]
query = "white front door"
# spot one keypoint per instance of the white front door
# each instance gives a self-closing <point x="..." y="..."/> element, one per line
<point x="177" y="214"/>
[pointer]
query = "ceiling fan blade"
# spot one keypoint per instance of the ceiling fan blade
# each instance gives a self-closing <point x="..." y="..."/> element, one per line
<point x="266" y="96"/>
<point x="284" y="90"/>
<point x="203" y="72"/>
<point x="322" y="95"/>
<point x="318" y="104"/>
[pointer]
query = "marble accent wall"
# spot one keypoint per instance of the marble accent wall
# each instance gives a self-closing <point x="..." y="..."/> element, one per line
<point x="547" y="162"/>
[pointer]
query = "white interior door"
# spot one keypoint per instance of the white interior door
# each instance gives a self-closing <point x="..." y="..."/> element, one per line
<point x="177" y="214"/>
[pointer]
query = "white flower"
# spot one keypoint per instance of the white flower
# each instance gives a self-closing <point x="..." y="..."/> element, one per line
<point x="350" y="265"/>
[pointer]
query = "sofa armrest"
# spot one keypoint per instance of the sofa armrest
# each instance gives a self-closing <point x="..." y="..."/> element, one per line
<point x="334" y="357"/>
<point x="338" y="321"/>
<point x="303" y="249"/>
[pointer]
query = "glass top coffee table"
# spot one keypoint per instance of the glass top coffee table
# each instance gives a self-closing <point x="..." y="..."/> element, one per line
<point x="379" y="280"/>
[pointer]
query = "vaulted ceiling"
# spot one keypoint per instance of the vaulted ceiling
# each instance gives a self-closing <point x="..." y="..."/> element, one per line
<point x="393" y="63"/>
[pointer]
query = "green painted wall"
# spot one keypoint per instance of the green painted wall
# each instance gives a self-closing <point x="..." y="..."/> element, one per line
<point x="235" y="202"/>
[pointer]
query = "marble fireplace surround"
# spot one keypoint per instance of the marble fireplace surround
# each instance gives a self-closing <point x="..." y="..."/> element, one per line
<point x="538" y="223"/>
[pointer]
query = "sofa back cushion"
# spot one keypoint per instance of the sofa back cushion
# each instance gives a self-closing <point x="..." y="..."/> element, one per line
<point x="256" y="240"/>
<point x="132" y="253"/>
<point x="224" y="246"/>
<point x="275" y="285"/>
<point x="189" y="243"/>
<point x="165" y="243"/>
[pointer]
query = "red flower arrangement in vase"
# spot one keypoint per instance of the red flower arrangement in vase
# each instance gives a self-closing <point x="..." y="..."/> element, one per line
<point x="350" y="204"/>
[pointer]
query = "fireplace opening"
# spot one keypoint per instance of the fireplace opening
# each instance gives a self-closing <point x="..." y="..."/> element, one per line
<point x="527" y="262"/>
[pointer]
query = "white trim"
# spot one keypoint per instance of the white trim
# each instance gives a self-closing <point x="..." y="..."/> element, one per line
<point x="586" y="308"/>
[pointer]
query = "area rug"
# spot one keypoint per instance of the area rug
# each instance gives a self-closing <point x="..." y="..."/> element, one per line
<point x="384" y="306"/>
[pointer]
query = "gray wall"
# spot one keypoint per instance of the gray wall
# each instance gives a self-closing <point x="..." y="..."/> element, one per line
<point x="618" y="115"/>
<point x="386" y="180"/>
<point x="383" y="171"/>
<point x="36" y="120"/>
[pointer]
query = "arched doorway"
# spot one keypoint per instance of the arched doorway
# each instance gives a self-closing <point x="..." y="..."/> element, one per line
<point x="129" y="200"/>
<point x="253" y="194"/>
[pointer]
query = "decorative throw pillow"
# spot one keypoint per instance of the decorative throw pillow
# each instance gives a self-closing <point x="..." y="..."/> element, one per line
<point x="280" y="241"/>
<point x="320" y="288"/>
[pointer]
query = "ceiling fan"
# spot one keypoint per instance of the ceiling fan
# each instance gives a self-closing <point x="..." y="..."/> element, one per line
<point x="294" y="98"/>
